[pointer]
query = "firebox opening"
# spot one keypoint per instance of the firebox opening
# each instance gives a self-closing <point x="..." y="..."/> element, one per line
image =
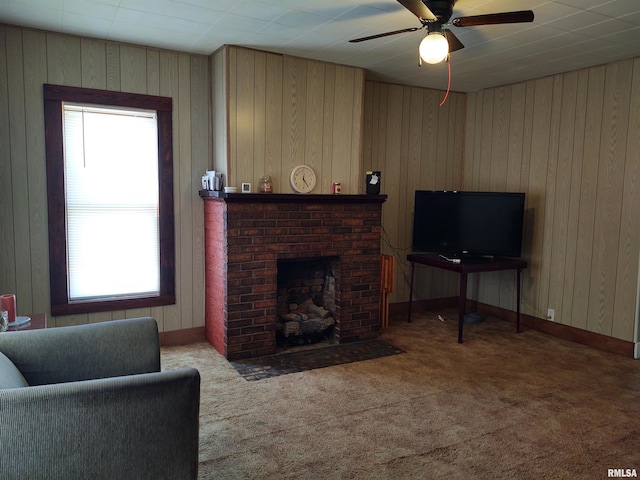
<point x="306" y="308"/>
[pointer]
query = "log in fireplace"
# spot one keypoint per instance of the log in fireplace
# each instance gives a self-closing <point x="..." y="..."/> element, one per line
<point x="306" y="300"/>
<point x="248" y="235"/>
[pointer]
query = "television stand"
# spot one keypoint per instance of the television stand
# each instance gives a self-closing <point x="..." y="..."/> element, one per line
<point x="463" y="269"/>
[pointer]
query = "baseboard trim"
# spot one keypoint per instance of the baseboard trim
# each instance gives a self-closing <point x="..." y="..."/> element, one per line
<point x="566" y="332"/>
<point x="182" y="337"/>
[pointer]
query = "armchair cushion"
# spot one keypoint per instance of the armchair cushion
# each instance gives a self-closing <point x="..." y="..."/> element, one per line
<point x="10" y="376"/>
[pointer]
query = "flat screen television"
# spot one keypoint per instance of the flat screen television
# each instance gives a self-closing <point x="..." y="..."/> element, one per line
<point x="468" y="225"/>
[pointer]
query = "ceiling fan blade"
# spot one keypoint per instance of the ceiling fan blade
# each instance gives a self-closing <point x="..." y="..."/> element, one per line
<point x="494" y="19"/>
<point x="454" y="43"/>
<point x="419" y="9"/>
<point x="380" y="35"/>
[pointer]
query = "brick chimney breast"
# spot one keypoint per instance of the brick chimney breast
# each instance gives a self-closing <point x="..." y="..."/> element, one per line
<point x="246" y="235"/>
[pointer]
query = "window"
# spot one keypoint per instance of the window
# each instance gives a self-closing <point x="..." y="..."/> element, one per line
<point x="110" y="192"/>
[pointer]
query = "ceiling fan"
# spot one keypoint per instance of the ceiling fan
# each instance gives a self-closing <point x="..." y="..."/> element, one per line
<point x="434" y="15"/>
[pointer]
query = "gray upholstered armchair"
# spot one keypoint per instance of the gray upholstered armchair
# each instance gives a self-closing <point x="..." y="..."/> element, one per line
<point x="90" y="401"/>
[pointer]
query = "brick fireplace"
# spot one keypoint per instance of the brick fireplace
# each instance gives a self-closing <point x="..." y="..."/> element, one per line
<point x="245" y="237"/>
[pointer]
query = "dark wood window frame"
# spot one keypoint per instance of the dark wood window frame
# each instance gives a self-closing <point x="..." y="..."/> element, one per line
<point x="54" y="96"/>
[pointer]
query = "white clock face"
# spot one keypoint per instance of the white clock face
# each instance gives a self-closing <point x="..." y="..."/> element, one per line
<point x="303" y="179"/>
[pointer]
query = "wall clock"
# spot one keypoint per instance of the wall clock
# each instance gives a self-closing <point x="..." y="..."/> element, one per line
<point x="303" y="179"/>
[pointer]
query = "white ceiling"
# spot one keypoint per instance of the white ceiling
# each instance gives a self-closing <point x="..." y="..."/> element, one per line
<point x="565" y="35"/>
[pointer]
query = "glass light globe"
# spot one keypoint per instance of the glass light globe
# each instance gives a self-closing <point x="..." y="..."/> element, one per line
<point x="434" y="48"/>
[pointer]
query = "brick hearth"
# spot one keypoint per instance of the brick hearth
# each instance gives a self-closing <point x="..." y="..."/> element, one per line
<point x="246" y="235"/>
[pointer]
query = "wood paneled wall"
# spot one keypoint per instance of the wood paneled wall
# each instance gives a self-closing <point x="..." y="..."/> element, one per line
<point x="282" y="111"/>
<point x="572" y="143"/>
<point x="29" y="58"/>
<point x="417" y="145"/>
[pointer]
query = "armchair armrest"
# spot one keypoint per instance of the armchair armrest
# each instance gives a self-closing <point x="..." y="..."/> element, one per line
<point x="131" y="427"/>
<point x="82" y="352"/>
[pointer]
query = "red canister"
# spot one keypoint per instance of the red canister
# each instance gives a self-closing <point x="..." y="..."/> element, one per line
<point x="8" y="303"/>
<point x="337" y="187"/>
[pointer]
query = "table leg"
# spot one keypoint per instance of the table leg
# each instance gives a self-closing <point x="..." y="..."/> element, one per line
<point x="462" y="300"/>
<point x="411" y="291"/>
<point x="518" y="300"/>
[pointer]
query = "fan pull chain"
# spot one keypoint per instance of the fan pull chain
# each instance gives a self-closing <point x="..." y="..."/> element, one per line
<point x="446" y="95"/>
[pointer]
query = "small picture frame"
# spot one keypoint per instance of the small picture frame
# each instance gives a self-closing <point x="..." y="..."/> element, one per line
<point x="246" y="188"/>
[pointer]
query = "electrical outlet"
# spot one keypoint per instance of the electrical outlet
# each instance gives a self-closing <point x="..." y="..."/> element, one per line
<point x="551" y="314"/>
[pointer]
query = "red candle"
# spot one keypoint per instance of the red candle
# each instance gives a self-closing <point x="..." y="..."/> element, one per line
<point x="8" y="303"/>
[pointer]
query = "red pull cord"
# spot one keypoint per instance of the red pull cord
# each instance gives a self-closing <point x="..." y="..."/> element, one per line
<point x="448" y="84"/>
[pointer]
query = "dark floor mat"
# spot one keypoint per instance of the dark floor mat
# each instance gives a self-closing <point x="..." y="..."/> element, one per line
<point x="299" y="361"/>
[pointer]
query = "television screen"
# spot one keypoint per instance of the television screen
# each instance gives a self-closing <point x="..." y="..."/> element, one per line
<point x="468" y="224"/>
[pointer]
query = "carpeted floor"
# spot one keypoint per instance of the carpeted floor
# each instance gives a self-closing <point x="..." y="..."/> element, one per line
<point x="502" y="405"/>
<point x="312" y="358"/>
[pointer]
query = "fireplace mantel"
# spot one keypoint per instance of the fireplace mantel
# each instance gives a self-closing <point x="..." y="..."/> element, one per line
<point x="290" y="197"/>
<point x="247" y="234"/>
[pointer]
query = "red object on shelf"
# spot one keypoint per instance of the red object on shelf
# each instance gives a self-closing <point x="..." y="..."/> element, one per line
<point x="8" y="303"/>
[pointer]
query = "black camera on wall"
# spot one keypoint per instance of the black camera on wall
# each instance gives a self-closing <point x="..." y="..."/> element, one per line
<point x="373" y="183"/>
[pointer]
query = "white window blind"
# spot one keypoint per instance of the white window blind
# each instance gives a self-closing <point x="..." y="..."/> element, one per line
<point x="112" y="214"/>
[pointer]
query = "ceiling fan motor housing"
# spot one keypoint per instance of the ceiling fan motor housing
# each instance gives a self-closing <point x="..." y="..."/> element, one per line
<point x="443" y="9"/>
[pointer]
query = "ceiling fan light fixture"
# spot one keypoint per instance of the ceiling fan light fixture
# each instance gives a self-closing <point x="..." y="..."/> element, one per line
<point x="434" y="48"/>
